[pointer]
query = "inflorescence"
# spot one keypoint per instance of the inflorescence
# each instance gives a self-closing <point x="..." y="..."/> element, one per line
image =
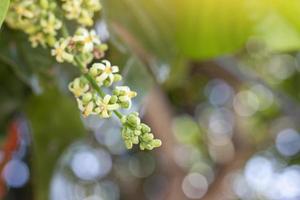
<point x="43" y="21"/>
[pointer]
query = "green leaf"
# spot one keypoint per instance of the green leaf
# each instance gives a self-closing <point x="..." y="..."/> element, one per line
<point x="4" y="4"/>
<point x="55" y="123"/>
<point x="12" y="93"/>
<point x="196" y="29"/>
<point x="210" y="28"/>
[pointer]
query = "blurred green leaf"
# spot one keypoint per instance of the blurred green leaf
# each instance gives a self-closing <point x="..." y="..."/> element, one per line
<point x="4" y="4"/>
<point x="55" y="125"/>
<point x="278" y="34"/>
<point x="148" y="22"/>
<point x="12" y="93"/>
<point x="209" y="28"/>
<point x="197" y="29"/>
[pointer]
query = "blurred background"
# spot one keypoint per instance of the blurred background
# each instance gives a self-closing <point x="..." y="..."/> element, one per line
<point x="218" y="81"/>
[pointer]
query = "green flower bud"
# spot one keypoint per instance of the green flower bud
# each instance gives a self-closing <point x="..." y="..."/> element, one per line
<point x="117" y="77"/>
<point x="137" y="132"/>
<point x="148" y="137"/>
<point x="125" y="104"/>
<point x="113" y="99"/>
<point x="135" y="140"/>
<point x="106" y="83"/>
<point x="149" y="147"/>
<point x="116" y="92"/>
<point x="87" y="97"/>
<point x="133" y="120"/>
<point x="142" y="146"/>
<point x="156" y="143"/>
<point x="145" y="128"/>
<point x="122" y="93"/>
<point x="128" y="144"/>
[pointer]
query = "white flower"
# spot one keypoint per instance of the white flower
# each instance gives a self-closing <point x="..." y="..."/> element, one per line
<point x="88" y="39"/>
<point x="51" y="24"/>
<point x="79" y="87"/>
<point x="104" y="71"/>
<point x="125" y="95"/>
<point x="81" y="10"/>
<point x="60" y="52"/>
<point x="72" y="8"/>
<point x="104" y="107"/>
<point x="37" y="39"/>
<point x="86" y="109"/>
<point x="23" y="9"/>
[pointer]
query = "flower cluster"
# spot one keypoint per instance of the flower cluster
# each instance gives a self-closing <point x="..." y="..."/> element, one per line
<point x="135" y="132"/>
<point x="89" y="101"/>
<point x="85" y="44"/>
<point x="36" y="18"/>
<point x="81" y="10"/>
<point x="104" y="73"/>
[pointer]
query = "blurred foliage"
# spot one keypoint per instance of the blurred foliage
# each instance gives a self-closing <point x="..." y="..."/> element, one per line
<point x="12" y="92"/>
<point x="55" y="123"/>
<point x="208" y="28"/>
<point x="3" y="9"/>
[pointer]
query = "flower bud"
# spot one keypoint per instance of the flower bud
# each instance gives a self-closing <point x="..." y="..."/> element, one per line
<point x="113" y="99"/>
<point x="156" y="143"/>
<point x="117" y="77"/>
<point x="128" y="144"/>
<point x="133" y="120"/>
<point x="87" y="97"/>
<point x="125" y="105"/>
<point x="135" y="140"/>
<point x="145" y="128"/>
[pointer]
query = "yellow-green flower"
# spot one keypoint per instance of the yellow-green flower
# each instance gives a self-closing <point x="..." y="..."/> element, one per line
<point x="86" y="109"/>
<point x="60" y="51"/>
<point x="104" y="107"/>
<point x="87" y="38"/>
<point x="37" y="39"/>
<point x="81" y="10"/>
<point x="79" y="86"/>
<point x="72" y="8"/>
<point x="51" y="24"/>
<point x="104" y="71"/>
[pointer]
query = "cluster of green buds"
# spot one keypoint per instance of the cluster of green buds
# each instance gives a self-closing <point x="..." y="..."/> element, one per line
<point x="81" y="10"/>
<point x="135" y="132"/>
<point x="85" y="44"/>
<point x="37" y="18"/>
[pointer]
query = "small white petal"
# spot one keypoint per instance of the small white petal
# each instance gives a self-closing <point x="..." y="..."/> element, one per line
<point x="106" y="62"/>
<point x="106" y="99"/>
<point x="115" y="69"/>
